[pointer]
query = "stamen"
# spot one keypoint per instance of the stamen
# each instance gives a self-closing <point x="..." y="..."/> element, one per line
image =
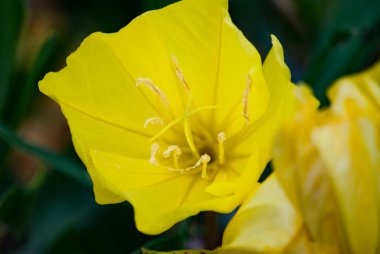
<point x="221" y="139"/>
<point x="180" y="76"/>
<point x="245" y="99"/>
<point x="176" y="151"/>
<point x="153" y="151"/>
<point x="205" y="159"/>
<point x="149" y="83"/>
<point x="154" y="121"/>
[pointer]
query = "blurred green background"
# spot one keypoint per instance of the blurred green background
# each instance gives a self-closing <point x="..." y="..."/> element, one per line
<point x="46" y="199"/>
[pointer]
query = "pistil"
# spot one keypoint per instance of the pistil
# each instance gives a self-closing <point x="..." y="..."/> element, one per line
<point x="189" y="136"/>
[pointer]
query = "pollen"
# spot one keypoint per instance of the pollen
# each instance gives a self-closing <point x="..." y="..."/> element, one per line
<point x="180" y="75"/>
<point x="155" y="89"/>
<point x="157" y="121"/>
<point x="175" y="151"/>
<point x="153" y="151"/>
<point x="247" y="91"/>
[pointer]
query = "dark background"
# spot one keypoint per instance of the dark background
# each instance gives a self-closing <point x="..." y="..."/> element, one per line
<point x="46" y="199"/>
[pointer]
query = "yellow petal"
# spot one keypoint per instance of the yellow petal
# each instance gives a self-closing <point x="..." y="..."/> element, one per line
<point x="354" y="158"/>
<point x="352" y="162"/>
<point x="266" y="223"/>
<point x="160" y="197"/>
<point x="259" y="134"/>
<point x="97" y="102"/>
<point x="362" y="87"/>
<point x="257" y="143"/>
<point x="238" y="175"/>
<point x="292" y="140"/>
<point x="214" y="56"/>
<point x="258" y="138"/>
<point x="104" y="94"/>
<point x="303" y="175"/>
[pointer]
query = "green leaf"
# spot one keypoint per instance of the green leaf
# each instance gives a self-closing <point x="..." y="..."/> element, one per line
<point x="17" y="201"/>
<point x="65" y="219"/>
<point x="61" y="204"/>
<point x="26" y="90"/>
<point x="56" y="161"/>
<point x="348" y="42"/>
<point x="314" y="13"/>
<point x="15" y="110"/>
<point x="11" y="19"/>
<point x="16" y="206"/>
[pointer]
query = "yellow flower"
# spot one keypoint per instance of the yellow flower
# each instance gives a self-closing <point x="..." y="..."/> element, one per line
<point x="329" y="164"/>
<point x="174" y="113"/>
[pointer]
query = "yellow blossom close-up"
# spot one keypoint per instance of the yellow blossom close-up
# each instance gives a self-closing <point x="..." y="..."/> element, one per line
<point x="175" y="113"/>
<point x="189" y="127"/>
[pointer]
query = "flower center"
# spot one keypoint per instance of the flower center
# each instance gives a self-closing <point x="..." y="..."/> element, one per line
<point x="191" y="152"/>
<point x="177" y="145"/>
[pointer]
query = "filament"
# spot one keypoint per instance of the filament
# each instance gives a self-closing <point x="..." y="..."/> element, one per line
<point x="221" y="139"/>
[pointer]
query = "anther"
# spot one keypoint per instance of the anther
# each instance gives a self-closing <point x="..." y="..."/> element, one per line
<point x="149" y="83"/>
<point x="245" y="99"/>
<point x="180" y="75"/>
<point x="153" y="151"/>
<point x="153" y="121"/>
<point x="221" y="139"/>
<point x="176" y="152"/>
